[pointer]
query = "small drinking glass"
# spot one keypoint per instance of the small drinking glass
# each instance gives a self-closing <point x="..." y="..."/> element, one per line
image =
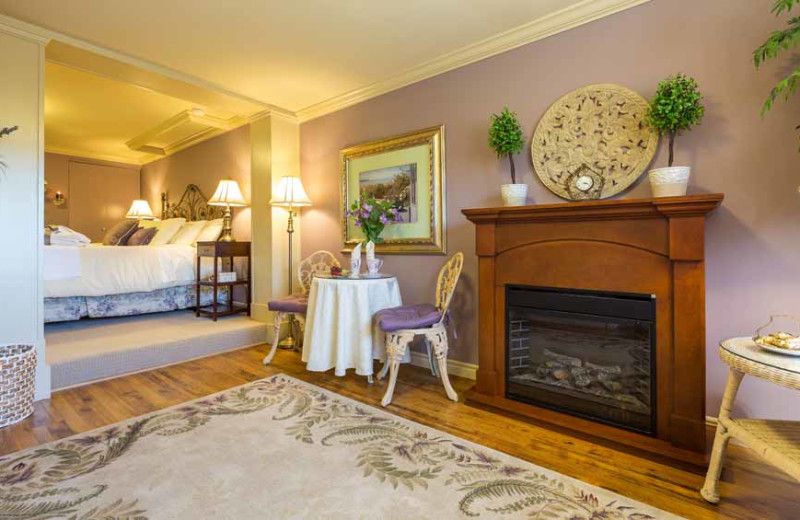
<point x="355" y="267"/>
<point x="374" y="266"/>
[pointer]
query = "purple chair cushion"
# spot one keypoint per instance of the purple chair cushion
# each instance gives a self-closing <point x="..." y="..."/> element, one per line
<point x="408" y="317"/>
<point x="295" y="303"/>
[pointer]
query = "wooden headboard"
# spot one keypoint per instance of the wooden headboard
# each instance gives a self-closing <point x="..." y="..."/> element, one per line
<point x="192" y="206"/>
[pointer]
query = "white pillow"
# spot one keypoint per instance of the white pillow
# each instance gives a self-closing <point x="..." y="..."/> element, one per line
<point x="188" y="234"/>
<point x="166" y="230"/>
<point x="211" y="231"/>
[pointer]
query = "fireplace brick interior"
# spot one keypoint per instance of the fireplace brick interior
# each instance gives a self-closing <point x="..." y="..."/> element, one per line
<point x="588" y="354"/>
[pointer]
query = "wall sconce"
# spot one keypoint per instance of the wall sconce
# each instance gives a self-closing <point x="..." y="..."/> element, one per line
<point x="59" y="199"/>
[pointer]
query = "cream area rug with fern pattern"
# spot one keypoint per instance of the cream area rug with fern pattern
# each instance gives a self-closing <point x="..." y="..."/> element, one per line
<point x="282" y="448"/>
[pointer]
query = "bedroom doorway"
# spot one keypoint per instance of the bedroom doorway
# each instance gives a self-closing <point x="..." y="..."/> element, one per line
<point x="131" y="161"/>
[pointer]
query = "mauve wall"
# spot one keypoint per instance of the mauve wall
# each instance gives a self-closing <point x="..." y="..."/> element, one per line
<point x="56" y="173"/>
<point x="752" y="242"/>
<point x="205" y="164"/>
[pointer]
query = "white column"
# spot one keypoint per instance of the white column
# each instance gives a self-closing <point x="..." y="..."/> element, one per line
<point x="275" y="148"/>
<point x="22" y="195"/>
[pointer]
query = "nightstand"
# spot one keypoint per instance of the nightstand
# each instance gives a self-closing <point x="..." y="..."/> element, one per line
<point x="225" y="251"/>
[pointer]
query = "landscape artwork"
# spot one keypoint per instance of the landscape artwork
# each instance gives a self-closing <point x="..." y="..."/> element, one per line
<point x="407" y="172"/>
<point x="397" y="184"/>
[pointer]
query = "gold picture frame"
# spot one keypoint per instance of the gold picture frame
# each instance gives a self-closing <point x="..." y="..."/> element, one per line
<point x="418" y="157"/>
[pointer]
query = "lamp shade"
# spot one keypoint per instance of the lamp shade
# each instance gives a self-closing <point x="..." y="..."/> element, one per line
<point x="290" y="193"/>
<point x="227" y="194"/>
<point x="140" y="209"/>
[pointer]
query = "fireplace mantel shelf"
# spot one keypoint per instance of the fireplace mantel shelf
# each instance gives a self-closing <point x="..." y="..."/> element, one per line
<point x="653" y="247"/>
<point x="619" y="209"/>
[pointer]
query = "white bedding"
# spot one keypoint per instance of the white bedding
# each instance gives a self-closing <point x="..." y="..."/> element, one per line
<point x="107" y="270"/>
<point x="62" y="263"/>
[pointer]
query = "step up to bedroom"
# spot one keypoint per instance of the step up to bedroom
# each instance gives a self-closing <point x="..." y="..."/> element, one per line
<point x="88" y="350"/>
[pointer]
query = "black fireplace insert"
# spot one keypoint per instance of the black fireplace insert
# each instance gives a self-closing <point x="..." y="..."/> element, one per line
<point x="586" y="353"/>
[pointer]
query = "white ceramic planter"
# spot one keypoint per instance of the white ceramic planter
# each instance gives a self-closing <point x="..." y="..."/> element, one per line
<point x="514" y="194"/>
<point x="670" y="182"/>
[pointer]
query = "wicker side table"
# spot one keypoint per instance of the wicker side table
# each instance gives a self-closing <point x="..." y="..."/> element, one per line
<point x="17" y="382"/>
<point x="777" y="442"/>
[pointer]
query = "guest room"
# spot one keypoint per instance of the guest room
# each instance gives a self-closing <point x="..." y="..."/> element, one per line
<point x="508" y="259"/>
<point x="134" y="180"/>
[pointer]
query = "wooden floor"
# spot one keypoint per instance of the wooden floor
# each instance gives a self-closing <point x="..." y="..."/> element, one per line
<point x="750" y="489"/>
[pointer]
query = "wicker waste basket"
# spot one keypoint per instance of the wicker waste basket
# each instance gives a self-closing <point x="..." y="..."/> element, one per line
<point x="17" y="380"/>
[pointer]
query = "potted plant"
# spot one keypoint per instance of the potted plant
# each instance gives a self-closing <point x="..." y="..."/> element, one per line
<point x="778" y="41"/>
<point x="675" y="108"/>
<point x="372" y="216"/>
<point x="507" y="139"/>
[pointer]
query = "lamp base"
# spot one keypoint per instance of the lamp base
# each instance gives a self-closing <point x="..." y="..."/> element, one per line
<point x="227" y="234"/>
<point x="288" y="343"/>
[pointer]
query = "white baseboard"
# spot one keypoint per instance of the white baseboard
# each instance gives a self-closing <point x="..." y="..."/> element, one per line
<point x="454" y="367"/>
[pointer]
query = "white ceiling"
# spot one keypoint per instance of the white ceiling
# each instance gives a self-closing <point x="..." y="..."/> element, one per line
<point x="292" y="54"/>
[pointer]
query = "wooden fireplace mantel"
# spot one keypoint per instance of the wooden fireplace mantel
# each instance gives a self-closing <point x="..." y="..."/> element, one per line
<point x="651" y="246"/>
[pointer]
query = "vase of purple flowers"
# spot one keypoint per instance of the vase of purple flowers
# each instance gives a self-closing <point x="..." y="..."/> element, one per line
<point x="372" y="216"/>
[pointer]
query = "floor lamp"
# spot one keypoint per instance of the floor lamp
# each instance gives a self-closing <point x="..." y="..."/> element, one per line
<point x="290" y="195"/>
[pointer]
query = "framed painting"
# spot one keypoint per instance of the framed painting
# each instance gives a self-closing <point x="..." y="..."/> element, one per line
<point x="407" y="169"/>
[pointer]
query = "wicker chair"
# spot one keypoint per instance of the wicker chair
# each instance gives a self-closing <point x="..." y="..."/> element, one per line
<point x="402" y="324"/>
<point x="319" y="262"/>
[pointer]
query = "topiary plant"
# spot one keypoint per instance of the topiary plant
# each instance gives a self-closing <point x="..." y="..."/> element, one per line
<point x="506" y="137"/>
<point x="778" y="41"/>
<point x="676" y="107"/>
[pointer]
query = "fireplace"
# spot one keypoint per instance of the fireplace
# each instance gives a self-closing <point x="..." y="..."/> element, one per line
<point x="586" y="353"/>
<point x="591" y="317"/>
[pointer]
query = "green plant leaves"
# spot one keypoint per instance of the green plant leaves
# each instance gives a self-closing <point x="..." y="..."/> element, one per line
<point x="505" y="133"/>
<point x="676" y="106"/>
<point x="778" y="41"/>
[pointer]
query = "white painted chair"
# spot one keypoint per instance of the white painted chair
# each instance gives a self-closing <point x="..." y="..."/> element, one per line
<point x="402" y="324"/>
<point x="318" y="262"/>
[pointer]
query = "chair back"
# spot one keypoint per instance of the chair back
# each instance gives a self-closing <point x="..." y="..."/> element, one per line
<point x="446" y="284"/>
<point x="318" y="262"/>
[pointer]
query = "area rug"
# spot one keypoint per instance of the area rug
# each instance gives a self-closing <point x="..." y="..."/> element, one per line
<point x="282" y="448"/>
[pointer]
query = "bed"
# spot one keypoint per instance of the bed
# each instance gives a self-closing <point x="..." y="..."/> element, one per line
<point x="106" y="281"/>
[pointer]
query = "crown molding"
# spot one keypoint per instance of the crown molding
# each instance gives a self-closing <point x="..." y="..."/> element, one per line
<point x="44" y="35"/>
<point x="20" y="32"/>
<point x="554" y="23"/>
<point x="81" y="154"/>
<point x="274" y="112"/>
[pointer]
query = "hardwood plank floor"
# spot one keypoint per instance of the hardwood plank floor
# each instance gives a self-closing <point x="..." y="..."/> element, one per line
<point x="750" y="489"/>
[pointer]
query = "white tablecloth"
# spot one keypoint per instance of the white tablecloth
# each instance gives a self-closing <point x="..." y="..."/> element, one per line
<point x="340" y="332"/>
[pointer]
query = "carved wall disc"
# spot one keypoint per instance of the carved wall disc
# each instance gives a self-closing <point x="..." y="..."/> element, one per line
<point x="594" y="142"/>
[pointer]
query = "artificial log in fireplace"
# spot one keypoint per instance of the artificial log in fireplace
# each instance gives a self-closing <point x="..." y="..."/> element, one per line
<point x="592" y="317"/>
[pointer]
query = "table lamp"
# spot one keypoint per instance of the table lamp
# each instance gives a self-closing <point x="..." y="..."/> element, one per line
<point x="290" y="195"/>
<point x="140" y="210"/>
<point x="229" y="195"/>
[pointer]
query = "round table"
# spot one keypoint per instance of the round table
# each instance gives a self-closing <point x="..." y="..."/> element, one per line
<point x="777" y="442"/>
<point x="339" y="331"/>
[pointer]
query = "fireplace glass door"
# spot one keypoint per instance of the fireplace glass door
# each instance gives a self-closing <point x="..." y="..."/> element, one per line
<point x="588" y="354"/>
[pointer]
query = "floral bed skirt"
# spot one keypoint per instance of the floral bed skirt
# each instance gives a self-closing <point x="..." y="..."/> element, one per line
<point x="130" y="304"/>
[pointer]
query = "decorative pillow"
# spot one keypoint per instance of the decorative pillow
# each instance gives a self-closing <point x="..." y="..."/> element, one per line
<point x="142" y="236"/>
<point x="211" y="231"/>
<point x="188" y="234"/>
<point x="167" y="229"/>
<point x="120" y="233"/>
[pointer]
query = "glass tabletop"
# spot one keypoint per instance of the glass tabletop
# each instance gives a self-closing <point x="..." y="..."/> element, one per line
<point x="746" y="348"/>
<point x="347" y="277"/>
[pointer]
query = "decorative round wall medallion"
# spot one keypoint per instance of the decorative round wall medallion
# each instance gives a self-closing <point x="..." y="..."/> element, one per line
<point x="594" y="142"/>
